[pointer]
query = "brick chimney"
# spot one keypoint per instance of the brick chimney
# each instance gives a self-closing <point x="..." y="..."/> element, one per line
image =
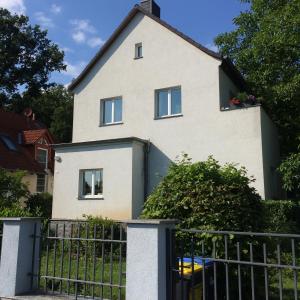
<point x="151" y="7"/>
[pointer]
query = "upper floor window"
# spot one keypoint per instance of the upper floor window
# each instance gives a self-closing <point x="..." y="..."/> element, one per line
<point x="139" y="50"/>
<point x="42" y="157"/>
<point x="91" y="183"/>
<point x="8" y="142"/>
<point x="111" y="111"/>
<point x="168" y="102"/>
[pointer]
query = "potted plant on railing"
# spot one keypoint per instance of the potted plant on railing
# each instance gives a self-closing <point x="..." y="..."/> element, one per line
<point x="243" y="100"/>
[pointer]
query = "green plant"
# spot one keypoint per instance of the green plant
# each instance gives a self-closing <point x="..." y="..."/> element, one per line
<point x="40" y="205"/>
<point x="290" y="171"/>
<point x="14" y="210"/>
<point x="206" y="195"/>
<point x="242" y="96"/>
<point x="281" y="216"/>
<point x="12" y="188"/>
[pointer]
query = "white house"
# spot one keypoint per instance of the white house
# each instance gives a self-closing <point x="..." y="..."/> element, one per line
<point x="148" y="95"/>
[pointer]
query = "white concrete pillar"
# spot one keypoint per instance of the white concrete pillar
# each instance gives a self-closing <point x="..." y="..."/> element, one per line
<point x="19" y="256"/>
<point x="146" y="262"/>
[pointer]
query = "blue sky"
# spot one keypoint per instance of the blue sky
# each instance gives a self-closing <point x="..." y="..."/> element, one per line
<point x="81" y="27"/>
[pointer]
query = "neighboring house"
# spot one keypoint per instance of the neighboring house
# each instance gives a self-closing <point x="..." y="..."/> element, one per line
<point x="25" y="145"/>
<point x="148" y="95"/>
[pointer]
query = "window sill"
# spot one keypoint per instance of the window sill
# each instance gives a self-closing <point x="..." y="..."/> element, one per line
<point x="90" y="198"/>
<point x="168" y="117"/>
<point x="138" y="58"/>
<point x="111" y="124"/>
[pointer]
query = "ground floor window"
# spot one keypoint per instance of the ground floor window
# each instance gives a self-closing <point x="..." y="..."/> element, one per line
<point x="41" y="183"/>
<point x="91" y="183"/>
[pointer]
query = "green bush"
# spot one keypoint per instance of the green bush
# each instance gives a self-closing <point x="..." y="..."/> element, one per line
<point x="206" y="195"/>
<point x="281" y="216"/>
<point x="40" y="205"/>
<point x="290" y="171"/>
<point x="15" y="210"/>
<point x="12" y="189"/>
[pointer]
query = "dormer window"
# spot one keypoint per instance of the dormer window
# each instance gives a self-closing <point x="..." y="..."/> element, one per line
<point x="138" y="50"/>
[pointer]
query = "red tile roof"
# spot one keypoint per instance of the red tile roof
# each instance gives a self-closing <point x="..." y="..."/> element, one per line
<point x="31" y="136"/>
<point x="25" y="130"/>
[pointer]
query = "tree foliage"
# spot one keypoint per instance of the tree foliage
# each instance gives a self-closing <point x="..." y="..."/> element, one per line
<point x="53" y="107"/>
<point x="206" y="195"/>
<point x="12" y="188"/>
<point x="27" y="57"/>
<point x="265" y="48"/>
<point x="290" y="171"/>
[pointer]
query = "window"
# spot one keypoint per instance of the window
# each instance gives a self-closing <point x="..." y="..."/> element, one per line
<point x="91" y="183"/>
<point x="8" y="142"/>
<point x="138" y="50"/>
<point x="111" y="111"/>
<point x="168" y="102"/>
<point x="41" y="183"/>
<point x="42" y="157"/>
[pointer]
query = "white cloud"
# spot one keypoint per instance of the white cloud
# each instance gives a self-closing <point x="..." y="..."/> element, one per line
<point x="79" y="37"/>
<point x="84" y="32"/>
<point x="14" y="6"/>
<point x="55" y="9"/>
<point x="82" y="25"/>
<point x="95" y="42"/>
<point x="74" y="70"/>
<point x="43" y="20"/>
<point x="67" y="49"/>
<point x="212" y="47"/>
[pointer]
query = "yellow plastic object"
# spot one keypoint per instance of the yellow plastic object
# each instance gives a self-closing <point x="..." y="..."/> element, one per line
<point x="187" y="268"/>
<point x="197" y="292"/>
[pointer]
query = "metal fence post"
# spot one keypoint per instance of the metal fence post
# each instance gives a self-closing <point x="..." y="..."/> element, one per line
<point x="19" y="256"/>
<point x="146" y="264"/>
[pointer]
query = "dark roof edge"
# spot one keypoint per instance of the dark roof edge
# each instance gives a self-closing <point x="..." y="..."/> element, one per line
<point x="230" y="69"/>
<point x="226" y="64"/>
<point x="100" y="142"/>
<point x="121" y="27"/>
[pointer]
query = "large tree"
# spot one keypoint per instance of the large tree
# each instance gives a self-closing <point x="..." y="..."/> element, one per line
<point x="53" y="107"/>
<point x="27" y="57"/>
<point x="265" y="47"/>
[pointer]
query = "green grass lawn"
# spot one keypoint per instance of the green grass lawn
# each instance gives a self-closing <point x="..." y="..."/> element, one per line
<point x="107" y="272"/>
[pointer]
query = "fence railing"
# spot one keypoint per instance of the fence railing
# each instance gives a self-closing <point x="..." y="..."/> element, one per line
<point x="233" y="265"/>
<point x="83" y="260"/>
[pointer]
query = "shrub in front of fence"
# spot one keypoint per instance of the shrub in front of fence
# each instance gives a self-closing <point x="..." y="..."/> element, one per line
<point x="206" y="195"/>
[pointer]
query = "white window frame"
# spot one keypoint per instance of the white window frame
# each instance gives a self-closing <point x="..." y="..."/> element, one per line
<point x="169" y="114"/>
<point x="113" y="122"/>
<point x="92" y="196"/>
<point x="46" y="150"/>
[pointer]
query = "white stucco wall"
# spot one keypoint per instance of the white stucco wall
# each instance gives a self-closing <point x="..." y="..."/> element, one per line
<point x="168" y="60"/>
<point x="116" y="160"/>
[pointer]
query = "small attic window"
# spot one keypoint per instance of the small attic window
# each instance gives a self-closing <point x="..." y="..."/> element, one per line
<point x="138" y="51"/>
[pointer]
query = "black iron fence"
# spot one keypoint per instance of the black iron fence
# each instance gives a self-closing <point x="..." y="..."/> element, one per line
<point x="83" y="260"/>
<point x="233" y="265"/>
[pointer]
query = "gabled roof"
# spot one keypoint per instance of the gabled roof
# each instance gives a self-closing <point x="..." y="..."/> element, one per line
<point x="17" y="127"/>
<point x="227" y="65"/>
